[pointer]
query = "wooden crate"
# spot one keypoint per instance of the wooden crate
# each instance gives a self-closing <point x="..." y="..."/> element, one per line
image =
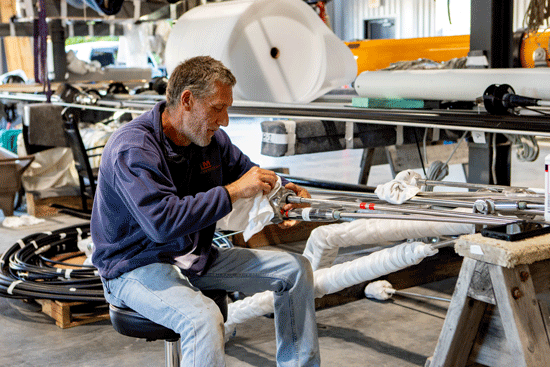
<point x="19" y="51"/>
<point x="273" y="235"/>
<point x="41" y="207"/>
<point x="70" y="314"/>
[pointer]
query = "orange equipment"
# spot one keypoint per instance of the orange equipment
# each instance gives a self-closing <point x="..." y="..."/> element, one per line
<point x="534" y="48"/>
<point x="379" y="54"/>
<point x="529" y="50"/>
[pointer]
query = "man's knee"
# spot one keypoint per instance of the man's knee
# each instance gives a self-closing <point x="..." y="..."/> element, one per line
<point x="300" y="269"/>
<point x="208" y="319"/>
<point x="202" y="338"/>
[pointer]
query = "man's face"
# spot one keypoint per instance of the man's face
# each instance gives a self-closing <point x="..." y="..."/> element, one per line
<point x="205" y="115"/>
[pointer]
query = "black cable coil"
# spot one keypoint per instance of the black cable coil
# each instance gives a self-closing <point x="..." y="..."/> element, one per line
<point x="28" y="271"/>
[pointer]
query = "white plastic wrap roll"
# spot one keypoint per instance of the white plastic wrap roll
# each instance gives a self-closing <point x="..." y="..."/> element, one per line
<point x="455" y="84"/>
<point x="279" y="50"/>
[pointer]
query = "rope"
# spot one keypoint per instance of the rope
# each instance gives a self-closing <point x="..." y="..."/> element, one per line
<point x="527" y="147"/>
<point x="536" y="15"/>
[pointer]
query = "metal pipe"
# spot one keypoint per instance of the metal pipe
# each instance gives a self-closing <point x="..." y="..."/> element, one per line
<point x="482" y="195"/>
<point x="409" y="294"/>
<point x="312" y="215"/>
<point x="464" y="120"/>
<point x="490" y="206"/>
<point x="487" y="220"/>
<point x="329" y="215"/>
<point x="429" y="198"/>
<point x="419" y="200"/>
<point x="172" y="353"/>
<point x="391" y="208"/>
<point x="467" y="185"/>
<point x="442" y="244"/>
<point x="300" y="200"/>
<point x="328" y="184"/>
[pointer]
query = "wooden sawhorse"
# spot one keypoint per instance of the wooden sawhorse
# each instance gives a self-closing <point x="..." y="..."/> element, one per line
<point x="498" y="315"/>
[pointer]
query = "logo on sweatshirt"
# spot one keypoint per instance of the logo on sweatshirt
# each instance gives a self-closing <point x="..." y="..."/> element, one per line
<point x="206" y="166"/>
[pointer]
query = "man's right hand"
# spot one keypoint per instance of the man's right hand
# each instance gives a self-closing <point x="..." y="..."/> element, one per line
<point x="255" y="180"/>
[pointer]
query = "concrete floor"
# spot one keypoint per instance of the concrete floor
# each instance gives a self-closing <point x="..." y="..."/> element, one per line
<point x="400" y="332"/>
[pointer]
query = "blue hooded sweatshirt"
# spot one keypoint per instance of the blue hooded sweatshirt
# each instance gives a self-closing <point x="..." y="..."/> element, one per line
<point x="156" y="201"/>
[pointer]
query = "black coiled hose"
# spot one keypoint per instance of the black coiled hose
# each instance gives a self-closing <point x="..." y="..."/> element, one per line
<point x="27" y="271"/>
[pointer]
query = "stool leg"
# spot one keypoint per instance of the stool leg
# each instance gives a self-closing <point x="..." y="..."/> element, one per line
<point x="172" y="353"/>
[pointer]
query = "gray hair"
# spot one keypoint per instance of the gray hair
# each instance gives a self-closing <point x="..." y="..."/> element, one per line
<point x="198" y="75"/>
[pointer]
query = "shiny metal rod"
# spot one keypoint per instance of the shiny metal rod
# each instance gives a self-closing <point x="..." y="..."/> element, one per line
<point x="485" y="220"/>
<point x="409" y="294"/>
<point x="394" y="208"/>
<point x="455" y="199"/>
<point x="327" y="215"/>
<point x="442" y="244"/>
<point x="467" y="185"/>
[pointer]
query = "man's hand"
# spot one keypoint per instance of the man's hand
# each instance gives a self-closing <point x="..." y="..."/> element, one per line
<point x="300" y="191"/>
<point x="252" y="182"/>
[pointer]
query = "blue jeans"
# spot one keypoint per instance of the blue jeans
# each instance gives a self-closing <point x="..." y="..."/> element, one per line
<point x="164" y="295"/>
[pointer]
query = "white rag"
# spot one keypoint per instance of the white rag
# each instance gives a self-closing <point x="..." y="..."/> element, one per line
<point x="24" y="220"/>
<point x="400" y="189"/>
<point x="381" y="290"/>
<point x="250" y="215"/>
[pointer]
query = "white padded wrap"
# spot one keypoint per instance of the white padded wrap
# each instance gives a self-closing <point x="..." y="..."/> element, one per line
<point x="379" y="263"/>
<point x="323" y="242"/>
<point x="336" y="278"/>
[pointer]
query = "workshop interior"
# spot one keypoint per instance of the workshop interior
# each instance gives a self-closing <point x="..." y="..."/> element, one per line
<point x="421" y="129"/>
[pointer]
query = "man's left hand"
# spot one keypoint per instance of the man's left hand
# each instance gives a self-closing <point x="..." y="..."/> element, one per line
<point x="300" y="191"/>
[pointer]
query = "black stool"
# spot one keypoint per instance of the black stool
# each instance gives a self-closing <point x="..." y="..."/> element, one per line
<point x="130" y="323"/>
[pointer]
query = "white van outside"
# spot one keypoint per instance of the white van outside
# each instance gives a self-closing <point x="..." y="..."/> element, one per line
<point x="107" y="53"/>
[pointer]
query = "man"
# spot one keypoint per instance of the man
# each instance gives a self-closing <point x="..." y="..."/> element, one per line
<point x="165" y="179"/>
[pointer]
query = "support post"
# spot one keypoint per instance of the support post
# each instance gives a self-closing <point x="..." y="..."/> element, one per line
<point x="483" y="156"/>
<point x="58" y="50"/>
<point x="491" y="31"/>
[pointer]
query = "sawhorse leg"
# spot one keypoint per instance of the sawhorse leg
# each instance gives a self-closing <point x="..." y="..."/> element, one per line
<point x="511" y="290"/>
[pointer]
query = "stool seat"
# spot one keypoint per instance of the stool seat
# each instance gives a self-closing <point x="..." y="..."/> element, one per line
<point x="130" y="323"/>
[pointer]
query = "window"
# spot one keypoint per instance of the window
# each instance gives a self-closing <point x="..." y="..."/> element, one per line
<point x="383" y="28"/>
